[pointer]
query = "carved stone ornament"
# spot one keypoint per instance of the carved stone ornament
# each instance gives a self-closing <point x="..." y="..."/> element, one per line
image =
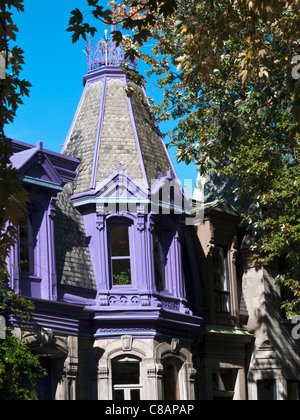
<point x="175" y="346"/>
<point x="126" y="342"/>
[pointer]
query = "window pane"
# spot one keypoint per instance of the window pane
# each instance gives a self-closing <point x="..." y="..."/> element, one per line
<point x="220" y="269"/>
<point x="266" y="390"/>
<point x="119" y="241"/>
<point x="159" y="261"/>
<point x="159" y="276"/>
<point x="119" y="395"/>
<point x="126" y="373"/>
<point x="170" y="381"/>
<point x="135" y="395"/>
<point x="26" y="244"/>
<point x="24" y="258"/>
<point x="121" y="272"/>
<point x="293" y="391"/>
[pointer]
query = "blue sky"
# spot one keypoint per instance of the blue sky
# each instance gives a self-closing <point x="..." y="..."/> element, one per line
<point x="55" y="67"/>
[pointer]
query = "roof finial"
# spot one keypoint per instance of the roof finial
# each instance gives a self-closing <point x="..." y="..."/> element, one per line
<point x="106" y="53"/>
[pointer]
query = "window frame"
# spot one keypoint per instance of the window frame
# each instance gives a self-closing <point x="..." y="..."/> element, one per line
<point x="264" y="382"/>
<point x="220" y="294"/>
<point x="159" y="239"/>
<point x="28" y="245"/>
<point x="120" y="222"/>
<point x="127" y="388"/>
<point x="177" y="365"/>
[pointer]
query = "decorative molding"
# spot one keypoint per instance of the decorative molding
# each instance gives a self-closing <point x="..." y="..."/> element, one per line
<point x="103" y="372"/>
<point x="103" y="300"/>
<point x="122" y="300"/>
<point x="106" y="53"/>
<point x="52" y="208"/>
<point x="141" y="221"/>
<point x="175" y="346"/>
<point x="126" y="341"/>
<point x="100" y="217"/>
<point x="145" y="300"/>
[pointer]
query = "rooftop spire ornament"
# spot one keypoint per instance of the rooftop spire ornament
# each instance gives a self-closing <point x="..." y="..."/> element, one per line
<point x="107" y="53"/>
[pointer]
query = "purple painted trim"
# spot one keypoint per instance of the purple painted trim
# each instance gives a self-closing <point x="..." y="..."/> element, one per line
<point x="105" y="187"/>
<point x="23" y="162"/>
<point x="61" y="317"/>
<point x="95" y="75"/>
<point x="147" y="324"/>
<point x="65" y="166"/>
<point x="77" y="295"/>
<point x="136" y="137"/>
<point x="98" y="135"/>
<point x="52" y="277"/>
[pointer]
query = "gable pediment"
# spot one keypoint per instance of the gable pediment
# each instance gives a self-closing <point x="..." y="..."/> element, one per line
<point x="34" y="163"/>
<point x="165" y="193"/>
<point x="119" y="185"/>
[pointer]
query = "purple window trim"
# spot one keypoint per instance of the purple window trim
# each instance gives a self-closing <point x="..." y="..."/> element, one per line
<point x="120" y="223"/>
<point x="42" y="278"/>
<point x="27" y="245"/>
<point x="160" y="260"/>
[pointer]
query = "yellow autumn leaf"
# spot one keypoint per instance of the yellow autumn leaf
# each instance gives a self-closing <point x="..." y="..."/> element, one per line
<point x="250" y="54"/>
<point x="184" y="29"/>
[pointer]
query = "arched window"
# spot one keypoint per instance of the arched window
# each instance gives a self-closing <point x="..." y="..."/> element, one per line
<point x="171" y="378"/>
<point x="126" y="378"/>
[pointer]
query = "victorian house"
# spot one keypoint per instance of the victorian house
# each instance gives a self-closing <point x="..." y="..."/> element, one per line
<point x="139" y="294"/>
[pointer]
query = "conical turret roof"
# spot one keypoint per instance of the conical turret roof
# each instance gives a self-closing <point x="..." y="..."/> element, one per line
<point x="111" y="128"/>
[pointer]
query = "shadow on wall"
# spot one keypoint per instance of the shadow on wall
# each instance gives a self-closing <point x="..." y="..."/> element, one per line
<point x="74" y="267"/>
<point x="275" y="351"/>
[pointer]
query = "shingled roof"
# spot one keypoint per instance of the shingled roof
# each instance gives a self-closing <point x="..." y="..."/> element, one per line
<point x="110" y="128"/>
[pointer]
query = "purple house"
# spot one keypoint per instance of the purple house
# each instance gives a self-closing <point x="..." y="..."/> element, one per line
<point x="139" y="292"/>
<point x="102" y="248"/>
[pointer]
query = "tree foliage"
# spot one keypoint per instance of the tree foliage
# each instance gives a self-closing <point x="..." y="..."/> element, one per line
<point x="227" y="69"/>
<point x="12" y="196"/>
<point x="19" y="368"/>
